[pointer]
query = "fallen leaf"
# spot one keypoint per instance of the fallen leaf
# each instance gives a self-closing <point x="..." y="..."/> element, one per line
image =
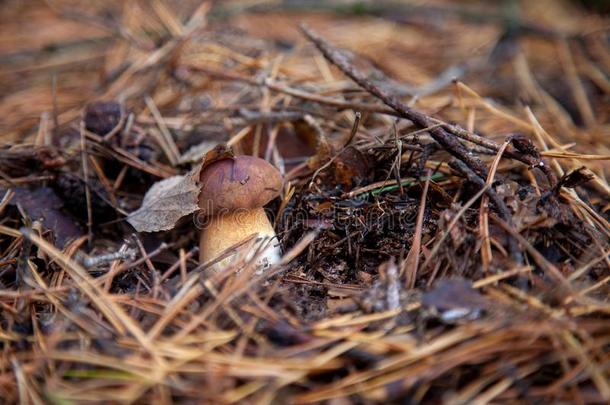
<point x="42" y="204"/>
<point x="166" y="202"/>
<point x="171" y="199"/>
<point x="351" y="167"/>
<point x="455" y="299"/>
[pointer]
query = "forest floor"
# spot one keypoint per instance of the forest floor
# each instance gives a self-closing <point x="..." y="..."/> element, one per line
<point x="444" y="219"/>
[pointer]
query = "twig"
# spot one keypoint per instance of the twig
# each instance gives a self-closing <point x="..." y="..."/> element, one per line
<point x="85" y="164"/>
<point x="354" y="131"/>
<point x="411" y="263"/>
<point x="250" y="117"/>
<point x="446" y="140"/>
<point x="109" y="277"/>
<point x="367" y="107"/>
<point x="122" y="254"/>
<point x="476" y="139"/>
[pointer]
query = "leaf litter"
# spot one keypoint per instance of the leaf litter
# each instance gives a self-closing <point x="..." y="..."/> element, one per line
<point x="444" y="220"/>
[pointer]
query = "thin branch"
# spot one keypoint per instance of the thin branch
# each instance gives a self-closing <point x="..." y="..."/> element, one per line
<point x="446" y="140"/>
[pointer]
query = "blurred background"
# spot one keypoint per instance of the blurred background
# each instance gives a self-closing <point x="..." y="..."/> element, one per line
<point x="56" y="55"/>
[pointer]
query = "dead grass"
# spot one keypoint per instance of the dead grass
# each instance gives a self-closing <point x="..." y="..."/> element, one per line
<point x="467" y="269"/>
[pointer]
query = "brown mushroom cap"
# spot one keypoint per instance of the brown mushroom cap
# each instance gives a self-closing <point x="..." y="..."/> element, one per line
<point x="240" y="182"/>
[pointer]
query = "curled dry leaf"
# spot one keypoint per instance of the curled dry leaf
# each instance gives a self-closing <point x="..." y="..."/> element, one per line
<point x="349" y="165"/>
<point x="574" y="179"/>
<point x="166" y="202"/>
<point x="171" y="199"/>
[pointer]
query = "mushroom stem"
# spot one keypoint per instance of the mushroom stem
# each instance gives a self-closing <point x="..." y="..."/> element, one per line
<point x="225" y="230"/>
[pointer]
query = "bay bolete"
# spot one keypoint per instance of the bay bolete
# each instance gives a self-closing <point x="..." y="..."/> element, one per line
<point x="233" y="193"/>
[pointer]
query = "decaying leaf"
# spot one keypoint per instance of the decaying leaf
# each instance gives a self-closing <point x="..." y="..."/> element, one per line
<point x="573" y="179"/>
<point x="455" y="299"/>
<point x="42" y="204"/>
<point x="171" y="199"/>
<point x="351" y="167"/>
<point x="166" y="202"/>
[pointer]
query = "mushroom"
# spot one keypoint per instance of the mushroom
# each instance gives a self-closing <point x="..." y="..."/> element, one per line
<point x="233" y="193"/>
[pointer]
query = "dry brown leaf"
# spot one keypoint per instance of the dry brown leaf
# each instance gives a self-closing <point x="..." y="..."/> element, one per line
<point x="43" y="204"/>
<point x="171" y="199"/>
<point x="166" y="202"/>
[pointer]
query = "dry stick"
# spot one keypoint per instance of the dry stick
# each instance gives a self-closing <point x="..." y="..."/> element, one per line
<point x="411" y="263"/>
<point x="486" y="255"/>
<point x="355" y="126"/>
<point x="453" y="129"/>
<point x="83" y="151"/>
<point x="492" y="145"/>
<point x="446" y="140"/>
<point x="528" y="159"/>
<point x="109" y="276"/>
<point x="151" y="267"/>
<point x="500" y="206"/>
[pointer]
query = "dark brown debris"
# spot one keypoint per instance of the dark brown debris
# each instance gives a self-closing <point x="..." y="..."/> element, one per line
<point x="444" y="218"/>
